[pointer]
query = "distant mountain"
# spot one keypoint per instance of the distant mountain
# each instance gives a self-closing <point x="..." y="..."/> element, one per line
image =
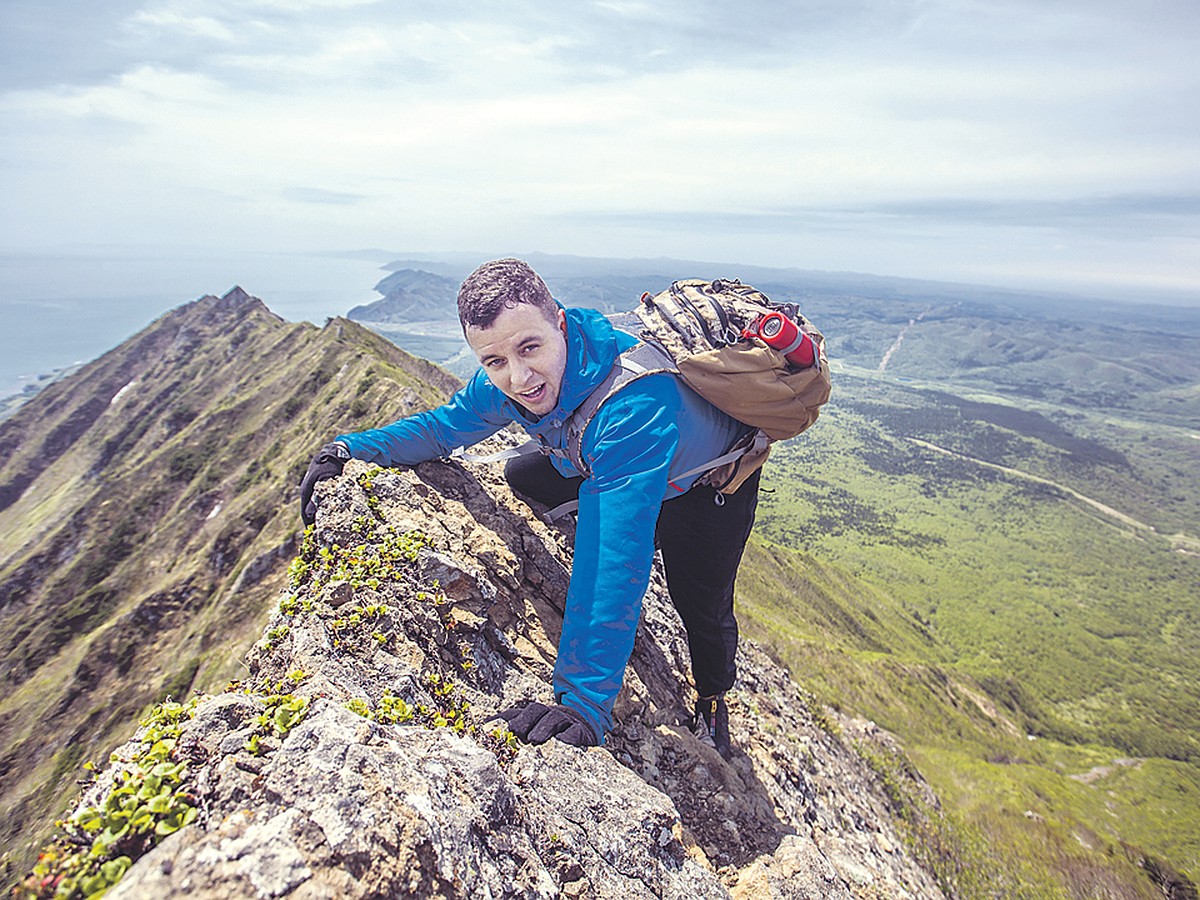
<point x="1020" y="348"/>
<point x="554" y="267"/>
<point x="147" y="515"/>
<point x="411" y="296"/>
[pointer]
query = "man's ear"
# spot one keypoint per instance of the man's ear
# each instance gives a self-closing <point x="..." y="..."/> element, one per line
<point x="562" y="321"/>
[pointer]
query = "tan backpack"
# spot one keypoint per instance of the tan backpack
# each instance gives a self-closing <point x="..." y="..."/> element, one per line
<point x="706" y="332"/>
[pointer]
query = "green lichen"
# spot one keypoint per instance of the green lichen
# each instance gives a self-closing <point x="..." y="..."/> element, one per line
<point x="148" y="800"/>
<point x="281" y="713"/>
<point x="448" y="710"/>
<point x="381" y="559"/>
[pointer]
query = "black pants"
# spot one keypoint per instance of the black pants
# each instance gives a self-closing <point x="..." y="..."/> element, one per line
<point x="701" y="545"/>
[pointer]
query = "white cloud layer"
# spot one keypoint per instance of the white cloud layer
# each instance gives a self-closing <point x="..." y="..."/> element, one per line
<point x="1008" y="141"/>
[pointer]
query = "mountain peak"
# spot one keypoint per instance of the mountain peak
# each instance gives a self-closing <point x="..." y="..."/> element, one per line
<point x="236" y="295"/>
<point x="235" y="302"/>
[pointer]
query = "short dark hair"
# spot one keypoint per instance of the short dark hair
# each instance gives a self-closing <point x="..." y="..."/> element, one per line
<point x="501" y="284"/>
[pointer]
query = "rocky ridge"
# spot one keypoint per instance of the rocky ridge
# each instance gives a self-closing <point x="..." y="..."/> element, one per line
<point x="147" y="517"/>
<point x="357" y="760"/>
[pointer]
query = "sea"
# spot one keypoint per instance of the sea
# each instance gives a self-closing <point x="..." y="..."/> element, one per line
<point x="59" y="310"/>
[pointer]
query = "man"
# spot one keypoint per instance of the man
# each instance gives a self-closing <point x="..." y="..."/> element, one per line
<point x="538" y="363"/>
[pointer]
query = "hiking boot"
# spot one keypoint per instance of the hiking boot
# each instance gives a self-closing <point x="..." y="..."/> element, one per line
<point x="710" y="724"/>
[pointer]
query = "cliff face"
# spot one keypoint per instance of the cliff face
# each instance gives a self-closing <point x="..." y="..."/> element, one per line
<point x="356" y="758"/>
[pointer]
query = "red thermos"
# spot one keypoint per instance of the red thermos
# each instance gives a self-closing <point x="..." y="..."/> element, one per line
<point x="780" y="332"/>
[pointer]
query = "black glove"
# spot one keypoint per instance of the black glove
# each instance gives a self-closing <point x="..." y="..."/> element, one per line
<point x="328" y="463"/>
<point x="537" y="723"/>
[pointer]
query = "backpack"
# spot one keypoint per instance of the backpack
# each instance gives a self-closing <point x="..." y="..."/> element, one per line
<point x="706" y="332"/>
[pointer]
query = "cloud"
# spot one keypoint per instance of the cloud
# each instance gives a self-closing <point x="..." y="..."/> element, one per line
<point x="308" y="6"/>
<point x="191" y="26"/>
<point x="618" y="122"/>
<point x="320" y="195"/>
<point x="147" y="95"/>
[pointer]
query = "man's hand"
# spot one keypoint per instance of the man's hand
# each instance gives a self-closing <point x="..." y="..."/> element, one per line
<point x="537" y="723"/>
<point x="328" y="463"/>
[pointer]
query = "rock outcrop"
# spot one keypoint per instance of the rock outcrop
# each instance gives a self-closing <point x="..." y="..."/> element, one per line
<point x="357" y="758"/>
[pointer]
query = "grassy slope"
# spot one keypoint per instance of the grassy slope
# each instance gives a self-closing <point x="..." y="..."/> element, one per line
<point x="996" y="606"/>
<point x="122" y="562"/>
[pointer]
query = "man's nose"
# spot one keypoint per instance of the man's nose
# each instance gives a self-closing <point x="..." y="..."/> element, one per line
<point x="520" y="372"/>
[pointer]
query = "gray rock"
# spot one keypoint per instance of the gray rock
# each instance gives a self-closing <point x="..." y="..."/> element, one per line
<point x="436" y="805"/>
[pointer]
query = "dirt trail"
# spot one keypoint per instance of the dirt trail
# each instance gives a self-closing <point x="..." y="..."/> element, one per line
<point x="887" y="356"/>
<point x="1116" y="514"/>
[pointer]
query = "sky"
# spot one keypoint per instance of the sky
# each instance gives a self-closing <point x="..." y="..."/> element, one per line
<point x="1028" y="143"/>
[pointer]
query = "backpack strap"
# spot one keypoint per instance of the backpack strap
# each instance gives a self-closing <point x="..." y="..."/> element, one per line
<point x="722" y="473"/>
<point x="755" y="442"/>
<point x="638" y="361"/>
<point x="530" y="446"/>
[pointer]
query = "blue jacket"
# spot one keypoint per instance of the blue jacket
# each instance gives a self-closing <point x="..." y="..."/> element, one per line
<point x="639" y="440"/>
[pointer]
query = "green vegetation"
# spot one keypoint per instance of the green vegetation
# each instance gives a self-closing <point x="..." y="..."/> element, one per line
<point x="1021" y="584"/>
<point x="147" y="800"/>
<point x="281" y="713"/>
<point x="449" y="710"/>
<point x="1038" y="654"/>
<point x="379" y="557"/>
<point x="383" y="559"/>
<point x="367" y="564"/>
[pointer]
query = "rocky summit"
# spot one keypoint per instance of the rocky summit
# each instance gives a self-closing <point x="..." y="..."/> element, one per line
<point x="359" y="757"/>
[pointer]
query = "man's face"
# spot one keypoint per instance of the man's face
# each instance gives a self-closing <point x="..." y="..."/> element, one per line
<point x="524" y="354"/>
